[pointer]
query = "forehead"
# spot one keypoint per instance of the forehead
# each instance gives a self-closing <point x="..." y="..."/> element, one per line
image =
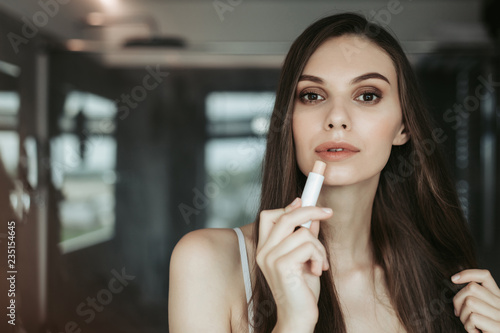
<point x="340" y="59"/>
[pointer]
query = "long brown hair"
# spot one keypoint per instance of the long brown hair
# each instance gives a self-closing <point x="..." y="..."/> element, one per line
<point x="418" y="230"/>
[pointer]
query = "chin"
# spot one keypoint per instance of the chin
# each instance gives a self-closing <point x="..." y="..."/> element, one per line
<point x="349" y="178"/>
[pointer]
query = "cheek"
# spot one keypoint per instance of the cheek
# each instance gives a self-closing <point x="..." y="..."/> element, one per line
<point x="381" y="127"/>
<point x="300" y="130"/>
<point x="379" y="136"/>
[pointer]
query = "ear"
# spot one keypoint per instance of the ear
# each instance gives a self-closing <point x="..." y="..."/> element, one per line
<point x="402" y="137"/>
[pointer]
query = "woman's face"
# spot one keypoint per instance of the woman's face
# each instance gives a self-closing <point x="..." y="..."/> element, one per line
<point x="347" y="98"/>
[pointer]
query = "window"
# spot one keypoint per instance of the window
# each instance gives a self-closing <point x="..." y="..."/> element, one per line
<point x="237" y="123"/>
<point x="9" y="138"/>
<point x="83" y="160"/>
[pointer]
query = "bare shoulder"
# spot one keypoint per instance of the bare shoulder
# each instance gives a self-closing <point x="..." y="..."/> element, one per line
<point x="212" y="244"/>
<point x="205" y="244"/>
<point x="203" y="267"/>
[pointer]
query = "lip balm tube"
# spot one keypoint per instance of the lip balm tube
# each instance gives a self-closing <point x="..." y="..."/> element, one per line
<point x="313" y="187"/>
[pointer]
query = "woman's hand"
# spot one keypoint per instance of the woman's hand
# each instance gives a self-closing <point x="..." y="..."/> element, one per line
<point x="292" y="262"/>
<point x="478" y="303"/>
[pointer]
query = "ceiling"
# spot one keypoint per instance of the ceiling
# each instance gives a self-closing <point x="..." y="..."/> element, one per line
<point x="238" y="32"/>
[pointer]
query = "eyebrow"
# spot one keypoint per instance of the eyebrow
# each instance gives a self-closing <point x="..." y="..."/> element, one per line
<point x="311" y="78"/>
<point x="357" y="79"/>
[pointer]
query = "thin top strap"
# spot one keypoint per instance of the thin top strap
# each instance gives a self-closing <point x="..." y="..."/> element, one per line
<point x="246" y="275"/>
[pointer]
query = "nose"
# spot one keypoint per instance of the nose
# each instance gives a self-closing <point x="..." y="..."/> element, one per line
<point x="337" y="117"/>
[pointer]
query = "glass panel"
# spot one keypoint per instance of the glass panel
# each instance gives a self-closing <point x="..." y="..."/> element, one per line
<point x="93" y="106"/>
<point x="9" y="103"/>
<point x="233" y="180"/>
<point x="9" y="69"/>
<point x="233" y="106"/>
<point x="9" y="138"/>
<point x="9" y="151"/>
<point x="87" y="211"/>
<point x="83" y="167"/>
<point x="237" y="122"/>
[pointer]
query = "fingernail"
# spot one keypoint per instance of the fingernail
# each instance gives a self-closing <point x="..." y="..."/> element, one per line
<point x="327" y="210"/>
<point x="294" y="202"/>
<point x="455" y="277"/>
<point x="456" y="313"/>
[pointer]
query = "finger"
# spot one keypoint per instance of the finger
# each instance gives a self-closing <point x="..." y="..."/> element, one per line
<point x="269" y="217"/>
<point x="475" y="305"/>
<point x="476" y="290"/>
<point x="296" y="203"/>
<point x="287" y="222"/>
<point x="474" y="330"/>
<point x="314" y="228"/>
<point x="294" y="260"/>
<point x="478" y="321"/>
<point x="482" y="276"/>
<point x="296" y="239"/>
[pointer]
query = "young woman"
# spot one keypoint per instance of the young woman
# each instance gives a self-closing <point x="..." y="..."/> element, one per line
<point x="388" y="250"/>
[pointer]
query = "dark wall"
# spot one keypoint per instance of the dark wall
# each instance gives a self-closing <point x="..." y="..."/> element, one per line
<point x="461" y="87"/>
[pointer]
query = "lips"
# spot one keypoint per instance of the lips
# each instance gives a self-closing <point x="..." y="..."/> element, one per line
<point x="335" y="151"/>
<point x="331" y="145"/>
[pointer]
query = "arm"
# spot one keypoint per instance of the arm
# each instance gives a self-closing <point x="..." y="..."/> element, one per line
<point x="197" y="296"/>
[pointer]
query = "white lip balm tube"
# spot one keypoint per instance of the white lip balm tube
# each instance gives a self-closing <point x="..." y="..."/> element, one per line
<point x="313" y="187"/>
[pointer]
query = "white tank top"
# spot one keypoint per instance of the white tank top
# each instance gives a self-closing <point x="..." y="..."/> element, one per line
<point x="246" y="276"/>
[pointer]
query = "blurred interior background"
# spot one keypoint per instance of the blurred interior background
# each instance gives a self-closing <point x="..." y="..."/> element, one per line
<point x="125" y="124"/>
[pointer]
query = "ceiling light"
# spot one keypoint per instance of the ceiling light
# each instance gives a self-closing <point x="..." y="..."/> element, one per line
<point x="95" y="19"/>
<point x="75" y="45"/>
<point x="109" y="3"/>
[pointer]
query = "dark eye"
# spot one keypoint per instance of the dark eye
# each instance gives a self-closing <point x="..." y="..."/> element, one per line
<point x="311" y="97"/>
<point x="368" y="97"/>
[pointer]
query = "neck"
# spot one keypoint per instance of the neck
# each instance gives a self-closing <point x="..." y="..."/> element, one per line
<point x="348" y="230"/>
